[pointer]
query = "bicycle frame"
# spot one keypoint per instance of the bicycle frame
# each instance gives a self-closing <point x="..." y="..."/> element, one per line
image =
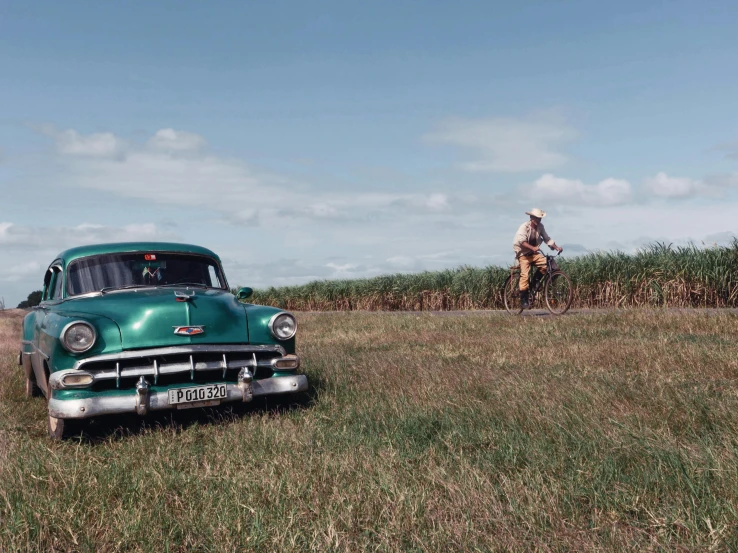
<point x="533" y="290"/>
<point x="545" y="286"/>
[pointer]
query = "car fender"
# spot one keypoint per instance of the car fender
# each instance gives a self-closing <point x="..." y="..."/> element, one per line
<point x="258" y="321"/>
<point x="108" y="338"/>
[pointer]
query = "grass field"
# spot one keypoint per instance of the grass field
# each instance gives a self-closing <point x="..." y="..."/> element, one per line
<point x="600" y="431"/>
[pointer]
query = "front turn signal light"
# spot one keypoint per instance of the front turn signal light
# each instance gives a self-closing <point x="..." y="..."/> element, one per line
<point x="77" y="379"/>
<point x="286" y="363"/>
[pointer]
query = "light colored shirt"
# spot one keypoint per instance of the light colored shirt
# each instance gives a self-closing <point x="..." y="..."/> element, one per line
<point x="526" y="233"/>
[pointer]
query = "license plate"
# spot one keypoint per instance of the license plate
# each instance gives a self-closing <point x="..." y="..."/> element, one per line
<point x="198" y="394"/>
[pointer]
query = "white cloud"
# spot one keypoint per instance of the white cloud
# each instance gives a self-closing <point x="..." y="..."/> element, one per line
<point x="722" y="181"/>
<point x="419" y="202"/>
<point x="322" y="210"/>
<point x="20" y="272"/>
<point x="172" y="168"/>
<point x="70" y="142"/>
<point x="401" y="261"/>
<point x="607" y="192"/>
<point x="344" y="268"/>
<point x="437" y="202"/>
<point x="178" y="141"/>
<point x="509" y="145"/>
<point x="673" y="187"/>
<point x="18" y="236"/>
<point x="248" y="217"/>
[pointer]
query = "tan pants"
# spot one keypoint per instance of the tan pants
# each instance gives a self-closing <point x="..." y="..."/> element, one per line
<point x="537" y="259"/>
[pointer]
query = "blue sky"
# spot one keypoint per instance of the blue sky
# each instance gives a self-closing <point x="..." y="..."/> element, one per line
<point x="311" y="140"/>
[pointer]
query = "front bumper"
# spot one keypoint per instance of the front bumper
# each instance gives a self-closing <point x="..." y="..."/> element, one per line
<point x="138" y="402"/>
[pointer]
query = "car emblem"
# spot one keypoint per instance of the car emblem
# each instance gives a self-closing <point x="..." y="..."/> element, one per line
<point x="184" y="296"/>
<point x="189" y="330"/>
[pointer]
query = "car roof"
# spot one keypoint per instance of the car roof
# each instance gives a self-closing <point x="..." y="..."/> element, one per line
<point x="70" y="255"/>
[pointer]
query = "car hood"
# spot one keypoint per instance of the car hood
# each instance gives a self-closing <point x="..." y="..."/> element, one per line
<point x="147" y="318"/>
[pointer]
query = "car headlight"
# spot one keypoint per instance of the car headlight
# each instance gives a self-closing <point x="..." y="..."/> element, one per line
<point x="78" y="337"/>
<point x="283" y="326"/>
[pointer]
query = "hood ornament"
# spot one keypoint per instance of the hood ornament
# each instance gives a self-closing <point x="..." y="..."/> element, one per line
<point x="189" y="330"/>
<point x="184" y="296"/>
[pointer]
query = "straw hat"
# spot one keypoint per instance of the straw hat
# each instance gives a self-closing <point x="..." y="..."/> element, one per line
<point x="535" y="212"/>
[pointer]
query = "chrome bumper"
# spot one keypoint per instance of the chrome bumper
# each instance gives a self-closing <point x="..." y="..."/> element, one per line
<point x="156" y="401"/>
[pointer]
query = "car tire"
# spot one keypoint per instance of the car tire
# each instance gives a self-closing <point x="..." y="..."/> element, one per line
<point x="60" y="429"/>
<point x="32" y="389"/>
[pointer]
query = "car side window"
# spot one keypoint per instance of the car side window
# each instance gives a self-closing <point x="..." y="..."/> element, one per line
<point x="52" y="284"/>
<point x="48" y="280"/>
<point x="58" y="278"/>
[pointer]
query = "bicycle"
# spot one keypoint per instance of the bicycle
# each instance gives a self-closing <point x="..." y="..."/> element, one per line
<point x="557" y="289"/>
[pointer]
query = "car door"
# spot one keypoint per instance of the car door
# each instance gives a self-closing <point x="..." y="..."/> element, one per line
<point x="43" y="343"/>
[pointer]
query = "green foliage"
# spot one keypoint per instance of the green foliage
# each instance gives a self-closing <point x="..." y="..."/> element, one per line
<point x="34" y="298"/>
<point x="656" y="275"/>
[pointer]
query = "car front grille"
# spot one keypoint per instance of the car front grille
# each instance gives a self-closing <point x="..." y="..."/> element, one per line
<point x="179" y="365"/>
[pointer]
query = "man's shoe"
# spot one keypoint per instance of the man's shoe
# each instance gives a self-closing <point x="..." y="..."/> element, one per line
<point x="524" y="303"/>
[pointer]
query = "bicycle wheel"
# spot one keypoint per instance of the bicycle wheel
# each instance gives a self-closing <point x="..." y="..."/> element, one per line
<point x="511" y="294"/>
<point x="559" y="293"/>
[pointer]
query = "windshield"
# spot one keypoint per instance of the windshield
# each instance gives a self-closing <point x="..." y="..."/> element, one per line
<point x="129" y="270"/>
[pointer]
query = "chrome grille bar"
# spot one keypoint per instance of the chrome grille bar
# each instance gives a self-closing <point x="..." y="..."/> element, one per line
<point x="174" y="368"/>
<point x="184" y="350"/>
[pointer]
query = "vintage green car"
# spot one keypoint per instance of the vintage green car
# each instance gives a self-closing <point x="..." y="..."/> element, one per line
<point x="138" y="327"/>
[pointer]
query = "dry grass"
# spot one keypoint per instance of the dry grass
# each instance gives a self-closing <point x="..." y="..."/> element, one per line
<point x="607" y="431"/>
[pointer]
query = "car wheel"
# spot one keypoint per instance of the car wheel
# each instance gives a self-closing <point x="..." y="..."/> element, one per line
<point x="32" y="389"/>
<point x="60" y="429"/>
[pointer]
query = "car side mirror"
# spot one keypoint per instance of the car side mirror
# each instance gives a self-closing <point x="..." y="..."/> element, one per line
<point x="244" y="293"/>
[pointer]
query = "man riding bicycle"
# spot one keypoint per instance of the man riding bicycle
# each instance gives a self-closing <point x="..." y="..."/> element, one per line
<point x="526" y="244"/>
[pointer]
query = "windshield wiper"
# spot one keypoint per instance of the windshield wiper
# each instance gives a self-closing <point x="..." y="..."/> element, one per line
<point x="184" y="285"/>
<point x="125" y="287"/>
